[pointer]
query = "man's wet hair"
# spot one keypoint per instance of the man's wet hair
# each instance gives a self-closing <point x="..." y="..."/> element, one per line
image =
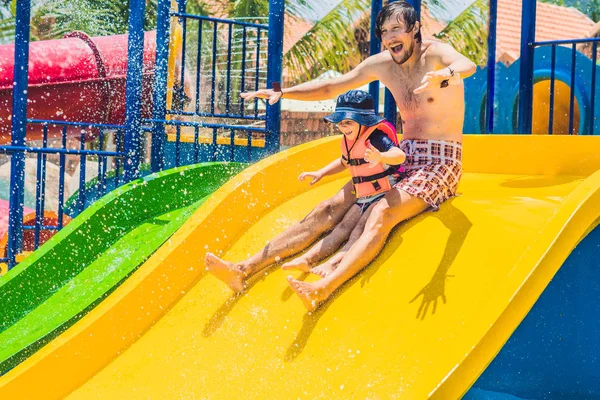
<point x="398" y="9"/>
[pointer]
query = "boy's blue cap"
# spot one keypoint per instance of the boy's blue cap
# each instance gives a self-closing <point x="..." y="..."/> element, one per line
<point x="355" y="105"/>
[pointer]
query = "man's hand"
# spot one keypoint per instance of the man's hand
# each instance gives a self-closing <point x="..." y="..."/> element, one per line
<point x="270" y="94"/>
<point x="372" y="155"/>
<point x="433" y="79"/>
<point x="316" y="177"/>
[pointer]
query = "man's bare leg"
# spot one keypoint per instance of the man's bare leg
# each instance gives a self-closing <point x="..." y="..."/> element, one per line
<point x="328" y="244"/>
<point x="328" y="266"/>
<point x="394" y="208"/>
<point x="294" y="239"/>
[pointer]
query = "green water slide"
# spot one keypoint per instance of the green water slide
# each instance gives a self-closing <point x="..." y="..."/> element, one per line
<point x="84" y="262"/>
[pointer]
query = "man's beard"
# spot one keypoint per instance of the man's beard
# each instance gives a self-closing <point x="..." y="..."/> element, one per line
<point x="407" y="54"/>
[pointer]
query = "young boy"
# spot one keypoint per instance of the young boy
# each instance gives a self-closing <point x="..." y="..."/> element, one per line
<point x="370" y="150"/>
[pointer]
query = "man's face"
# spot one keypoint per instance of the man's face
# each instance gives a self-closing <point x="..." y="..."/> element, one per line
<point x="400" y="44"/>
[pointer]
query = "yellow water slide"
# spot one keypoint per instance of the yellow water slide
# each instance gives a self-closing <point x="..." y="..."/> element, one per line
<point x="423" y="320"/>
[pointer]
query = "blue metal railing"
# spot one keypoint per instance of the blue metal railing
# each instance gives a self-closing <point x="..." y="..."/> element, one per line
<point x="221" y="34"/>
<point x="572" y="82"/>
<point x="19" y="128"/>
<point x="491" y="66"/>
<point x="231" y="57"/>
<point x="374" y="48"/>
<point x="390" y="104"/>
<point x="19" y="148"/>
<point x="528" y="17"/>
<point x="43" y="151"/>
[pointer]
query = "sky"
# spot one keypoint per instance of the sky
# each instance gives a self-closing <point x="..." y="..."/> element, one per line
<point x="324" y="6"/>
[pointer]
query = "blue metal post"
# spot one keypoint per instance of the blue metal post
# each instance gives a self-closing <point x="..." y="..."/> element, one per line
<point x="491" y="67"/>
<point x="19" y="127"/>
<point x="417" y="6"/>
<point x="390" y="104"/>
<point x="133" y="95"/>
<point x="159" y="110"/>
<point x="552" y="84"/>
<point x="526" y="67"/>
<point x="274" y="70"/>
<point x="375" y="48"/>
<point x="572" y="90"/>
<point x="593" y="87"/>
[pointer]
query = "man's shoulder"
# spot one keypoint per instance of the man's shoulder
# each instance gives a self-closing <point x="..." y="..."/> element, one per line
<point x="382" y="58"/>
<point x="435" y="47"/>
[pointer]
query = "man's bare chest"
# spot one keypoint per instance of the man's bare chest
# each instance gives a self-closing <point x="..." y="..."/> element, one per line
<point x="403" y="86"/>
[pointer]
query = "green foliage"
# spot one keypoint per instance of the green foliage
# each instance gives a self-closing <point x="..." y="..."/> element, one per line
<point x="329" y="44"/>
<point x="589" y="7"/>
<point x="94" y="17"/>
<point x="51" y="19"/>
<point x="468" y="32"/>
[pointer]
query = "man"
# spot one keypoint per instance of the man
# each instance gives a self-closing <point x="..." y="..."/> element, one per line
<point x="425" y="78"/>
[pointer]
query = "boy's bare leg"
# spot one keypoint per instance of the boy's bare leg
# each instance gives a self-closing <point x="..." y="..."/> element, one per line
<point x="294" y="239"/>
<point x="394" y="208"/>
<point x="328" y="266"/>
<point x="328" y="244"/>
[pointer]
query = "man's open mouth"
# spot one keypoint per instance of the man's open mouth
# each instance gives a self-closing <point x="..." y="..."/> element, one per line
<point x="397" y="48"/>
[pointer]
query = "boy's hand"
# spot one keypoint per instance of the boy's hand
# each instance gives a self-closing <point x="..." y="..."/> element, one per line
<point x="372" y="155"/>
<point x="316" y="177"/>
<point x="270" y="94"/>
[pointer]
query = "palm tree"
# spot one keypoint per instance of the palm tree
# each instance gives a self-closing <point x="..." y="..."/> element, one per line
<point x="468" y="32"/>
<point x="8" y="20"/>
<point x="51" y="19"/>
<point x="329" y="44"/>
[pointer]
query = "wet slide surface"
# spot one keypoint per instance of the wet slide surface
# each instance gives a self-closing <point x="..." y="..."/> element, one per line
<point x="116" y="235"/>
<point x="423" y="320"/>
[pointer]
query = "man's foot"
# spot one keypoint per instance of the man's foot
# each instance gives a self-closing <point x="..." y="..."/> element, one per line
<point x="298" y="263"/>
<point x="323" y="270"/>
<point x="311" y="294"/>
<point x="228" y="272"/>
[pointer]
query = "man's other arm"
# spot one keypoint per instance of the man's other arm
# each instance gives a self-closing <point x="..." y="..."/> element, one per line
<point x="364" y="73"/>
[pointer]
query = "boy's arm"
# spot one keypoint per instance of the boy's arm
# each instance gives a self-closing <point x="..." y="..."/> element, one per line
<point x="322" y="90"/>
<point x="334" y="167"/>
<point x="393" y="156"/>
<point x="381" y="149"/>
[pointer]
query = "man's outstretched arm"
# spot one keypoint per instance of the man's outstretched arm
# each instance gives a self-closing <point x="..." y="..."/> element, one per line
<point x="321" y="90"/>
<point x="455" y="61"/>
<point x="454" y="65"/>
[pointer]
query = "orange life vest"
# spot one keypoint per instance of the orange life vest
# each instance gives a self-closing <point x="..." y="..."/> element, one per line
<point x="368" y="180"/>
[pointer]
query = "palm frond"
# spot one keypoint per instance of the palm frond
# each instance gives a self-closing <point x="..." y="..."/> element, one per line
<point x="468" y="32"/>
<point x="95" y="17"/>
<point x="298" y="8"/>
<point x="8" y="21"/>
<point x="329" y="44"/>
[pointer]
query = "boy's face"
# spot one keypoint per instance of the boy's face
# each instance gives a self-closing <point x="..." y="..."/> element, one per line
<point x="349" y="128"/>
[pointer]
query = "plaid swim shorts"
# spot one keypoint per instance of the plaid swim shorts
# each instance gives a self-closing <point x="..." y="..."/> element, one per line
<point x="433" y="169"/>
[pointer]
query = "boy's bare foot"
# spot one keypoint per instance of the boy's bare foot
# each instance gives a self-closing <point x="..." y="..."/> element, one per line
<point x="226" y="271"/>
<point x="311" y="294"/>
<point x="298" y="263"/>
<point x="328" y="267"/>
<point x="323" y="270"/>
